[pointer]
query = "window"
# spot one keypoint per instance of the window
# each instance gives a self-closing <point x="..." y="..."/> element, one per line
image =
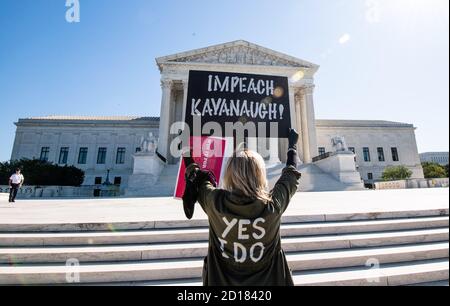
<point x="82" y="156"/>
<point x="120" y="157"/>
<point x="366" y="152"/>
<point x="395" y="154"/>
<point x="101" y="156"/>
<point x="321" y="151"/>
<point x="117" y="180"/>
<point x="63" y="154"/>
<point x="138" y="149"/>
<point x="370" y="176"/>
<point x="45" y="151"/>
<point x="380" y="154"/>
<point x="98" y="180"/>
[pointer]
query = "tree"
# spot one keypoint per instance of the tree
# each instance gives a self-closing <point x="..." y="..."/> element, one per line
<point x="396" y="173"/>
<point x="446" y="170"/>
<point x="433" y="170"/>
<point x="41" y="173"/>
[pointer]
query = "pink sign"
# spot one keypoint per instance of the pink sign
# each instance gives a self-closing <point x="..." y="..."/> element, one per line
<point x="209" y="154"/>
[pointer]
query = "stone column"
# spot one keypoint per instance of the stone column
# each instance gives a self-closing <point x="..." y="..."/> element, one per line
<point x="311" y="121"/>
<point x="185" y="92"/>
<point x="304" y="125"/>
<point x="55" y="148"/>
<point x="92" y="158"/>
<point x="37" y="149"/>
<point x="164" y="124"/>
<point x="298" y="120"/>
<point x="274" y="158"/>
<point x="74" y="155"/>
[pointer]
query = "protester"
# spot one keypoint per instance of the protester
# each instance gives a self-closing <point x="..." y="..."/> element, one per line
<point x="244" y="217"/>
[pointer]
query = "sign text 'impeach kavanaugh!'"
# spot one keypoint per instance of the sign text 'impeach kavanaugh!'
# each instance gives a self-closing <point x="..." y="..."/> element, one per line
<point x="232" y="102"/>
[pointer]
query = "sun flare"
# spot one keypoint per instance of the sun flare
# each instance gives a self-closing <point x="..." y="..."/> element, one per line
<point x="417" y="7"/>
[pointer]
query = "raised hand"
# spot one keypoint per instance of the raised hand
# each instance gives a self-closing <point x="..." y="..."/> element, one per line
<point x="293" y="139"/>
<point x="188" y="156"/>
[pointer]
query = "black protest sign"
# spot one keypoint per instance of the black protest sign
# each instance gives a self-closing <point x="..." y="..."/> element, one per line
<point x="224" y="97"/>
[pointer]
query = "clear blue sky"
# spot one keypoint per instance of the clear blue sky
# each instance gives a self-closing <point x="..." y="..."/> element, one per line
<point x="380" y="59"/>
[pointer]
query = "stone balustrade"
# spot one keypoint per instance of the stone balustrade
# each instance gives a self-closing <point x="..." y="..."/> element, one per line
<point x="414" y="183"/>
<point x="31" y="192"/>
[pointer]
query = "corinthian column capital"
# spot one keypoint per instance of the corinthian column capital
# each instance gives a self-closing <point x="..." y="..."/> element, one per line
<point x="299" y="95"/>
<point x="166" y="83"/>
<point x="308" y="89"/>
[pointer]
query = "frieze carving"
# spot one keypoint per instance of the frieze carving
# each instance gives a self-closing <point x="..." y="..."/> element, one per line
<point x="240" y="55"/>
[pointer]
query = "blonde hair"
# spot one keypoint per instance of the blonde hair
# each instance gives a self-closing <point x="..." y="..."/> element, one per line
<point x="246" y="172"/>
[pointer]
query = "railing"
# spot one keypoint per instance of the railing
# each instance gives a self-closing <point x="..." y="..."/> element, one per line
<point x="413" y="183"/>
<point x="65" y="192"/>
<point x="321" y="157"/>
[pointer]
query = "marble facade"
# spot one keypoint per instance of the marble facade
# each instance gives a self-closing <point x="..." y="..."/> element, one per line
<point x="126" y="133"/>
<point x="240" y="57"/>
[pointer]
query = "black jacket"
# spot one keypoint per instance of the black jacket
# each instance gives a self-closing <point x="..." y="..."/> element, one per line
<point x="244" y="236"/>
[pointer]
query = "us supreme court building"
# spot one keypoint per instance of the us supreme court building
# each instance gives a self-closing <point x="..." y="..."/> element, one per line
<point x="135" y="151"/>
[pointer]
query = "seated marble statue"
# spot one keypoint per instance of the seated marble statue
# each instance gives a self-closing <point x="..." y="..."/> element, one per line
<point x="148" y="144"/>
<point x="339" y="144"/>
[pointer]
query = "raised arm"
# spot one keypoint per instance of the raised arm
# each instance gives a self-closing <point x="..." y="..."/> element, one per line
<point x="200" y="186"/>
<point x="292" y="149"/>
<point x="288" y="183"/>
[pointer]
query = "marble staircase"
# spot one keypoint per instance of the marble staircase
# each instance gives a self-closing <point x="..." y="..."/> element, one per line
<point x="165" y="184"/>
<point x="410" y="247"/>
<point x="313" y="179"/>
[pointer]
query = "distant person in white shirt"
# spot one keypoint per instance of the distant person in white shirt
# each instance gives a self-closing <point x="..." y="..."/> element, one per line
<point x="15" y="182"/>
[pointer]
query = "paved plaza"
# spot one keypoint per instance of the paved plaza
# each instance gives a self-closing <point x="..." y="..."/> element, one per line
<point x="313" y="206"/>
<point x="329" y="237"/>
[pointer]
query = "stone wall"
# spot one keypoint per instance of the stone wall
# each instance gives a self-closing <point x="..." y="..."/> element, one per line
<point x="32" y="192"/>
<point x="414" y="183"/>
<point x="374" y="135"/>
<point x="91" y="133"/>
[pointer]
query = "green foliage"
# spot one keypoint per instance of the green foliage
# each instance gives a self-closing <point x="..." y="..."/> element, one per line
<point x="41" y="173"/>
<point x="433" y="170"/>
<point x="396" y="173"/>
<point x="446" y="170"/>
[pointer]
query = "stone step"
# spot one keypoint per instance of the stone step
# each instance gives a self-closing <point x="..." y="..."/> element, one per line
<point x="444" y="283"/>
<point x="416" y="273"/>
<point x="313" y="179"/>
<point x="165" y="185"/>
<point x="18" y="255"/>
<point x="390" y="275"/>
<point x="195" y="223"/>
<point x="201" y="234"/>
<point x="434" y="255"/>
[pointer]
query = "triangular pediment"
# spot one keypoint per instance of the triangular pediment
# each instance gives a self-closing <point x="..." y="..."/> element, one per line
<point x="239" y="52"/>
